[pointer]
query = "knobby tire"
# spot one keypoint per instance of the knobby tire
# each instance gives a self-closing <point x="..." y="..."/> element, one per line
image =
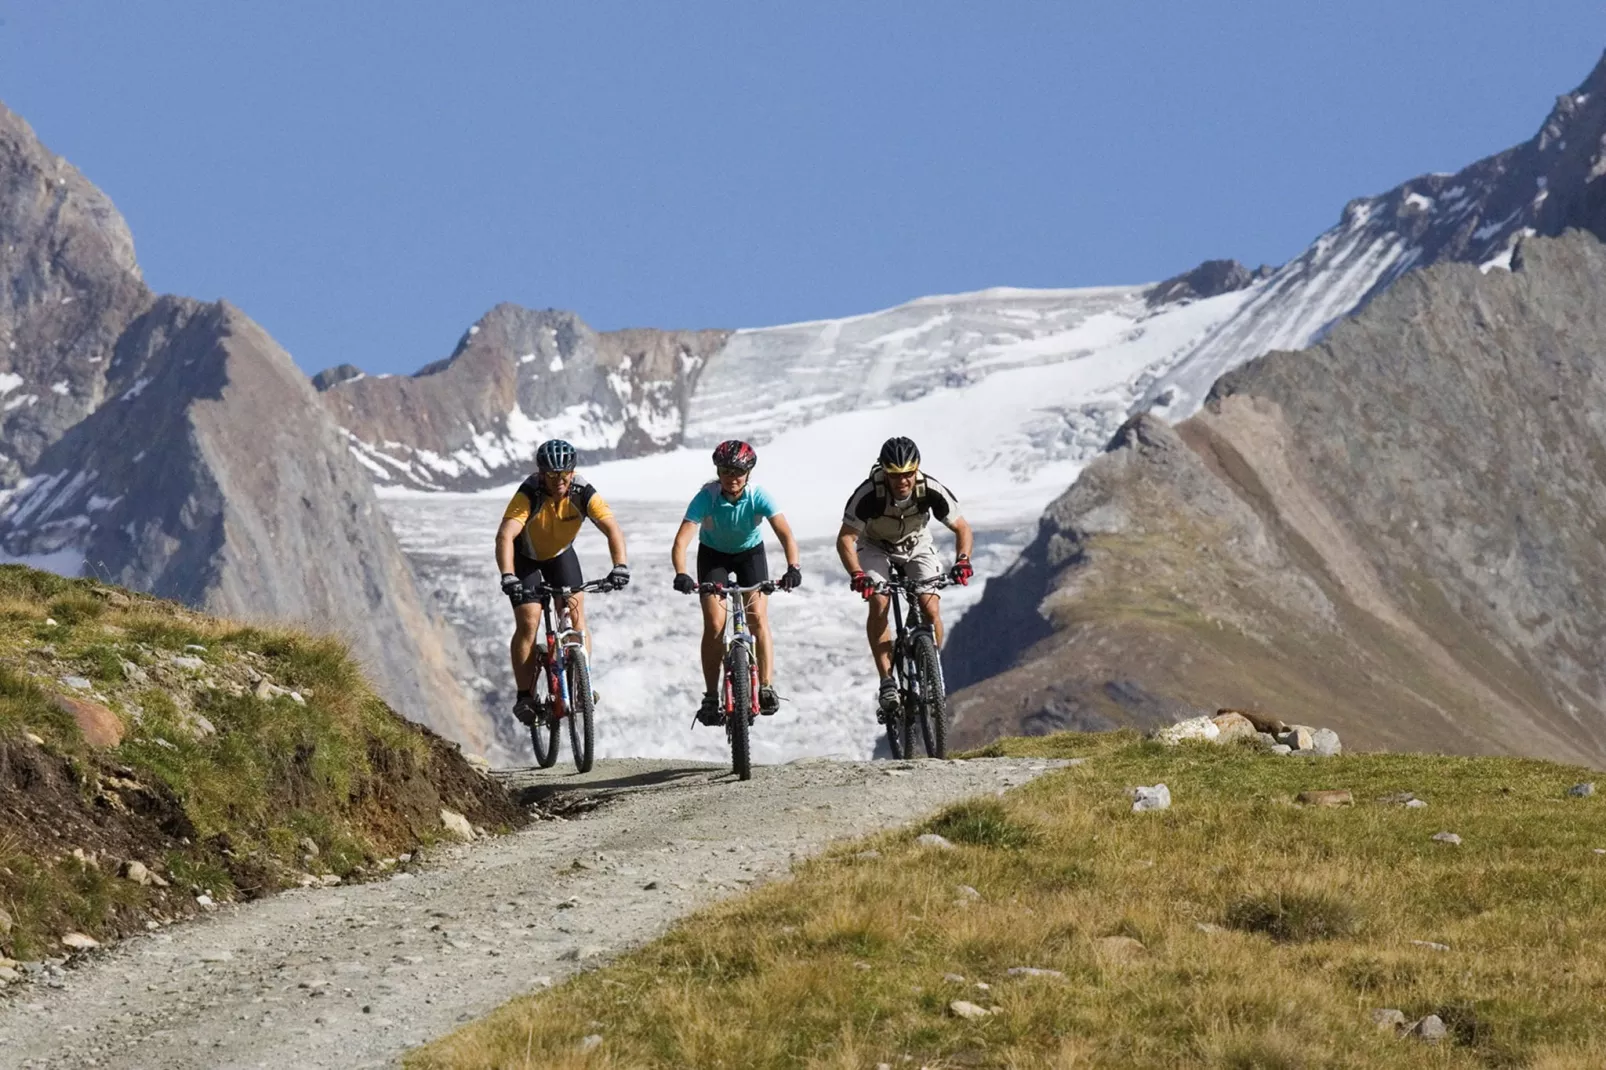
<point x="582" y="730"/>
<point x="544" y="732"/>
<point x="736" y="722"/>
<point x="933" y="697"/>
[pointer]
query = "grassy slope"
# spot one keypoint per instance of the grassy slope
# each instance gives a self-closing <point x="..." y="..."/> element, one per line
<point x="212" y="787"/>
<point x="844" y="965"/>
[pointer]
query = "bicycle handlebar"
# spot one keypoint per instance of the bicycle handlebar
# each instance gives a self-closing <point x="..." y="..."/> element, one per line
<point x="767" y="587"/>
<point x="601" y="586"/>
<point x="912" y="586"/>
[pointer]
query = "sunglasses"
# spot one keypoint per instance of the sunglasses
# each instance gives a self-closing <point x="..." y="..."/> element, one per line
<point x="731" y="473"/>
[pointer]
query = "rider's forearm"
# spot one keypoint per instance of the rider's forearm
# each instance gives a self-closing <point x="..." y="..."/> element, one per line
<point x="616" y="545"/>
<point x="847" y="548"/>
<point x="963" y="539"/>
<point x="504" y="555"/>
<point x="677" y="554"/>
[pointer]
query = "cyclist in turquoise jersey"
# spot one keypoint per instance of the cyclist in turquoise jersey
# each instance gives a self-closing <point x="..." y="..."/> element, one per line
<point x="726" y="516"/>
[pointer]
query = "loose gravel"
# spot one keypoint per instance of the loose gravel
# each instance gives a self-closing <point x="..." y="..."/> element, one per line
<point x="354" y="976"/>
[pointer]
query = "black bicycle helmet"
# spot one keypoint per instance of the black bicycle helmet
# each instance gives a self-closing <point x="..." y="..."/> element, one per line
<point x="555" y="455"/>
<point x="899" y="455"/>
<point x="734" y="453"/>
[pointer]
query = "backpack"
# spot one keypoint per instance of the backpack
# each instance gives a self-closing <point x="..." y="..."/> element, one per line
<point x="580" y="493"/>
<point x="883" y="496"/>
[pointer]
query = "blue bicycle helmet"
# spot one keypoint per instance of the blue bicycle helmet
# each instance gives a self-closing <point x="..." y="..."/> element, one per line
<point x="555" y="455"/>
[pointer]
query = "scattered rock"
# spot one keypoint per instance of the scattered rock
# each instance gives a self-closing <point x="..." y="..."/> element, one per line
<point x="100" y="726"/>
<point x="1298" y="737"/>
<point x="1387" y="1018"/>
<point x="1430" y="1029"/>
<point x="1193" y="728"/>
<point x="649" y="886"/>
<point x="967" y="893"/>
<point x="217" y="956"/>
<point x="954" y="978"/>
<point x="1032" y="971"/>
<point x="1415" y="804"/>
<point x="184" y="662"/>
<point x="9" y="976"/>
<point x="78" y="683"/>
<point x="931" y="839"/>
<point x="1263" y="725"/>
<point x="1209" y="928"/>
<point x="1280" y="749"/>
<point x="1325" y="798"/>
<point x="1119" y="950"/>
<point x="1231" y="725"/>
<point x="983" y="986"/>
<point x="589" y="1042"/>
<point x="580" y="954"/>
<point x="1582" y="791"/>
<point x="960" y="1008"/>
<point x="140" y="874"/>
<point x="1431" y="945"/>
<point x="863" y="967"/>
<point x="38" y="741"/>
<point x="1399" y="798"/>
<point x="457" y="825"/>
<point x="197" y="647"/>
<point x="309" y="846"/>
<point x="79" y="942"/>
<point x="1447" y="837"/>
<point x="1324" y="741"/>
<point x="1154" y="797"/>
<point x="205" y="902"/>
<point x="134" y="674"/>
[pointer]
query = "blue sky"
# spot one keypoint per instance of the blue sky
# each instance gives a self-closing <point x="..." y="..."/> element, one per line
<point x="366" y="179"/>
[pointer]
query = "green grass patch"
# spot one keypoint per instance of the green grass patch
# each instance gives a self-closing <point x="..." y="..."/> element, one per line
<point x="1266" y="932"/>
<point x="211" y="786"/>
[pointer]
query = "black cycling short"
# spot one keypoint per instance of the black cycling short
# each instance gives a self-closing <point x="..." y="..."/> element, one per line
<point x="715" y="566"/>
<point x="560" y="571"/>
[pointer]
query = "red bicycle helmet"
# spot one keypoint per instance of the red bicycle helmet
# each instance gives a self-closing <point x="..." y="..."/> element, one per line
<point x="734" y="453"/>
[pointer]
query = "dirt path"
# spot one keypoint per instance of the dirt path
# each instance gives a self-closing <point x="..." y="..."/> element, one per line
<point x="354" y="976"/>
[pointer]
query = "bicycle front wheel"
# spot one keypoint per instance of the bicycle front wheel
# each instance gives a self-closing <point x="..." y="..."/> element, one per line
<point x="544" y="729"/>
<point x="582" y="730"/>
<point x="736" y="721"/>
<point x="933" y="712"/>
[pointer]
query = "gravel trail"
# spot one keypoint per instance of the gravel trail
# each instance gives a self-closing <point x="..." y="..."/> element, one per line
<point x="354" y="976"/>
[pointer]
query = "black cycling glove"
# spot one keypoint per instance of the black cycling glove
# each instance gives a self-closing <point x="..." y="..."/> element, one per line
<point x="619" y="578"/>
<point x="513" y="587"/>
<point x="792" y="578"/>
<point x="684" y="583"/>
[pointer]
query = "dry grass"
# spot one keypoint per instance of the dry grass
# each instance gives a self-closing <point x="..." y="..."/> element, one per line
<point x="844" y="965"/>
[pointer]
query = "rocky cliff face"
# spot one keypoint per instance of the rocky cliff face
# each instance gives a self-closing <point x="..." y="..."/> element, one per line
<point x="519" y="377"/>
<point x="1550" y="183"/>
<point x="71" y="285"/>
<point x="1396" y="533"/>
<point x="172" y="447"/>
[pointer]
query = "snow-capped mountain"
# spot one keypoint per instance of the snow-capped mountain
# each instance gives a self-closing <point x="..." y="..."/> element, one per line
<point x="1546" y="185"/>
<point x="517" y="378"/>
<point x="1024" y="387"/>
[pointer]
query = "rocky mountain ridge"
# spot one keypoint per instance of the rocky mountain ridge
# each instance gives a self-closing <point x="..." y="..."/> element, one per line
<point x="1395" y="532"/>
<point x="1546" y="185"/>
<point x="516" y="378"/>
<point x="171" y="446"/>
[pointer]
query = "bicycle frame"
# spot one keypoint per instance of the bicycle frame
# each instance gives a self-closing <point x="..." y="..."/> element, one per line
<point x="563" y="641"/>
<point x="736" y="632"/>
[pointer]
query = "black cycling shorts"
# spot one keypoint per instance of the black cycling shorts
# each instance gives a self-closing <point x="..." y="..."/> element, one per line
<point x="560" y="571"/>
<point x="715" y="566"/>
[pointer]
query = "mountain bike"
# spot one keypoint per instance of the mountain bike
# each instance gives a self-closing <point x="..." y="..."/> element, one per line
<point x="738" y="685"/>
<point x="922" y="695"/>
<point x="562" y="682"/>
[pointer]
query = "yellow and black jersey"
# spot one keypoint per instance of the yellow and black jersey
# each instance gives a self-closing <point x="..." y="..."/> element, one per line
<point x="550" y="525"/>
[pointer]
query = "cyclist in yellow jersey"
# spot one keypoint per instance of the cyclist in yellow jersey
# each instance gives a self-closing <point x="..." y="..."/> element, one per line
<point x="535" y="549"/>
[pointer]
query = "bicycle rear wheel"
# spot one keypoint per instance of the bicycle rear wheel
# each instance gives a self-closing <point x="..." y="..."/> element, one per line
<point x="544" y="729"/>
<point x="582" y="731"/>
<point x="736" y="720"/>
<point x="933" y="698"/>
